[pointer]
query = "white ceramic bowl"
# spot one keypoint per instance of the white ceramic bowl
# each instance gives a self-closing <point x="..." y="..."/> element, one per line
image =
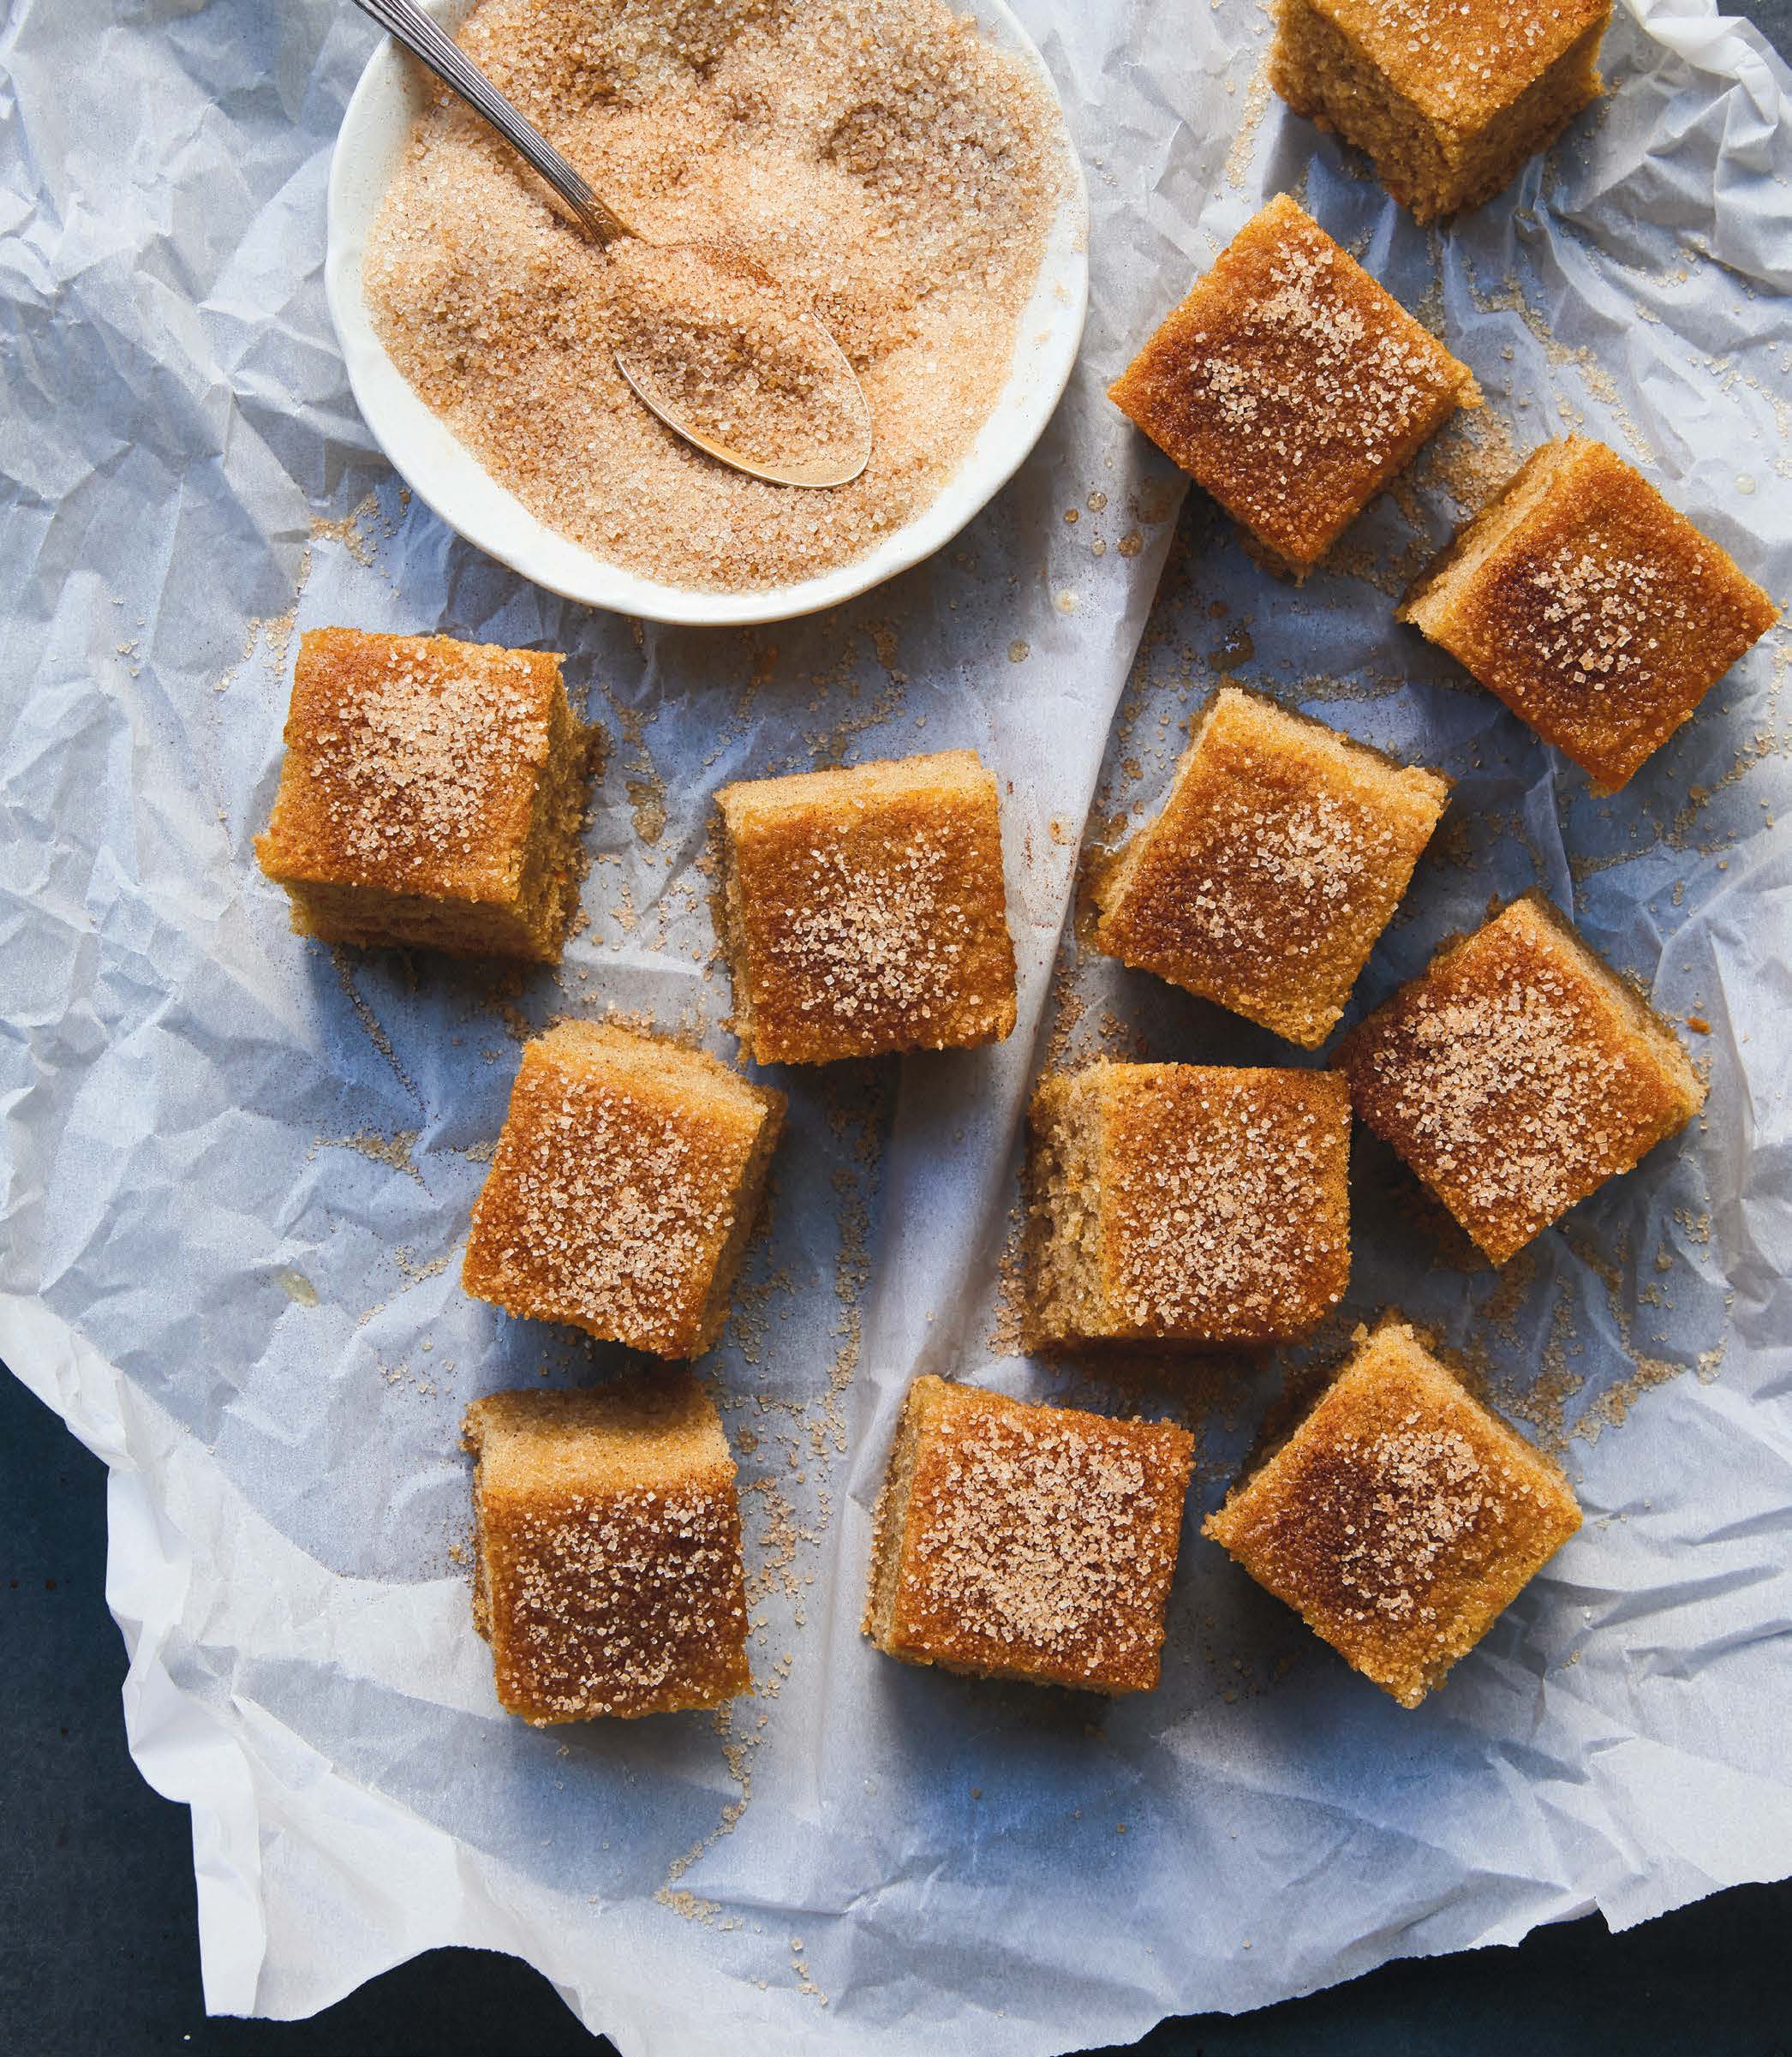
<point x="446" y="475"/>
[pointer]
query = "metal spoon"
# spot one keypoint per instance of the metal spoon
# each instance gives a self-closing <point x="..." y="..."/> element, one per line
<point x="422" y="36"/>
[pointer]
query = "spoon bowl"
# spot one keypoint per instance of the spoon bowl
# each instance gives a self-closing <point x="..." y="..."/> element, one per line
<point x="448" y="477"/>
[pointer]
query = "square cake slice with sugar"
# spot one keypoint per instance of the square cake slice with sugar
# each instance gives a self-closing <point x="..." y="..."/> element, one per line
<point x="865" y="910"/>
<point x="1517" y="1074"/>
<point x="1290" y="385"/>
<point x="1278" y="858"/>
<point x="1018" y="1542"/>
<point x="1198" y="1205"/>
<point x="623" y="1189"/>
<point x="607" y="1577"/>
<point x="1399" y="1516"/>
<point x="1449" y="97"/>
<point x="1597" y="613"/>
<point x="433" y="795"/>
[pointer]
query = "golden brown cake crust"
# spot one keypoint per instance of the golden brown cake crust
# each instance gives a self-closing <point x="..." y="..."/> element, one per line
<point x="609" y="1577"/>
<point x="1599" y="614"/>
<point x="1029" y="1542"/>
<point x="1193" y="1203"/>
<point x="1460" y="62"/>
<point x="1278" y="858"/>
<point x="1290" y="385"/>
<point x="1518" y="1074"/>
<point x="867" y="912"/>
<point x="1399" y="1517"/>
<point x="432" y="792"/>
<point x="1448" y="101"/>
<point x="622" y="1189"/>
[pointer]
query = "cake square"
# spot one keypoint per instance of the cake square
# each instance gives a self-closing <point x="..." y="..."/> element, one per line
<point x="1517" y="1073"/>
<point x="1449" y="97"/>
<point x="607" y="1573"/>
<point x="1019" y="1541"/>
<point x="1278" y="858"/>
<point x="1290" y="385"/>
<point x="1198" y="1204"/>
<point x="432" y="794"/>
<point x="623" y="1189"/>
<point x="1597" y="612"/>
<point x="865" y="910"/>
<point x="1399" y="1517"/>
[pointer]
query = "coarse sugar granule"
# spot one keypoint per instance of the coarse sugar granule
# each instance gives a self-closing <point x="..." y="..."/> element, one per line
<point x="878" y="160"/>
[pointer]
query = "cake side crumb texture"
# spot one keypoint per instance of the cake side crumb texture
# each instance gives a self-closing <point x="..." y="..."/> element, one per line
<point x="1597" y="612"/>
<point x="1517" y="1074"/>
<point x="1278" y="858"/>
<point x="609" y="1578"/>
<point x="1030" y="1542"/>
<point x="1400" y="1516"/>
<point x="866" y="910"/>
<point x="1290" y="385"/>
<point x="622" y="1187"/>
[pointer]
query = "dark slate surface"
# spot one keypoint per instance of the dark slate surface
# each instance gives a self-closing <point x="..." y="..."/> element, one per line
<point x="99" y="1956"/>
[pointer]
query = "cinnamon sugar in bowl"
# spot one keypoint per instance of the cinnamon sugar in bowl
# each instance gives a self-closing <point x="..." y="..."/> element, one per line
<point x="902" y="165"/>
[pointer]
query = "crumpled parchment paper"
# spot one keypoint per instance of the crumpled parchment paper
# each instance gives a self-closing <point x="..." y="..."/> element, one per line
<point x="237" y="1170"/>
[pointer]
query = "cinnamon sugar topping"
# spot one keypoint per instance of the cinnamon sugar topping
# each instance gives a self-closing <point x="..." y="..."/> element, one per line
<point x="1036" y="1542"/>
<point x="1027" y="1541"/>
<point x="1279" y="857"/>
<point x="409" y="773"/>
<point x="609" y="1577"/>
<point x="880" y="161"/>
<point x="1290" y="385"/>
<point x="1399" y="1516"/>
<point x="1306" y="367"/>
<point x="432" y="794"/>
<point x="1461" y="59"/>
<point x="1517" y="1075"/>
<point x="1597" y="612"/>
<point x="417" y="752"/>
<point x="622" y="1189"/>
<point x="1199" y="1204"/>
<point x="867" y="911"/>
<point x="1599" y="615"/>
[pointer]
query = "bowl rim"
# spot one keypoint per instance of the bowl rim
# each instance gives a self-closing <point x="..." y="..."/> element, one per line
<point x="449" y="480"/>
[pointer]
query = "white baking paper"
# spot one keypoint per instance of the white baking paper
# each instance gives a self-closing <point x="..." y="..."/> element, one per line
<point x="237" y="1171"/>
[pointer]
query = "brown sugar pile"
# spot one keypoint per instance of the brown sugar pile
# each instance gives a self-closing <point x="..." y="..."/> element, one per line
<point x="877" y="160"/>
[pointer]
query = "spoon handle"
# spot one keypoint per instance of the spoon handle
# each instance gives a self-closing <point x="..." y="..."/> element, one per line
<point x="424" y="40"/>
